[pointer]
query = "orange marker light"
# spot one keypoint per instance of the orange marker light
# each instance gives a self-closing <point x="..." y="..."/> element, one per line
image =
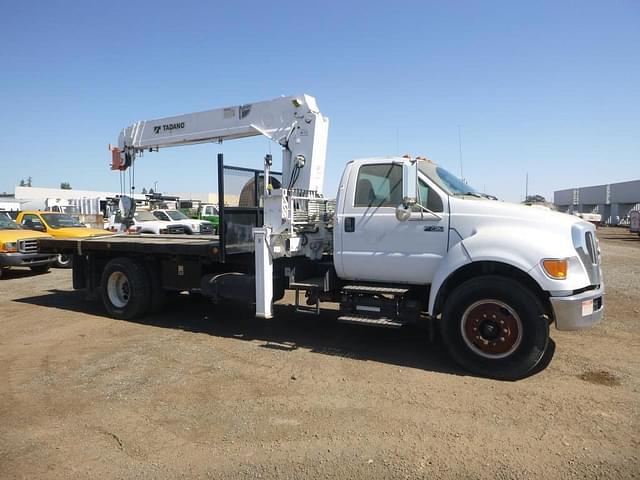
<point x="556" y="268"/>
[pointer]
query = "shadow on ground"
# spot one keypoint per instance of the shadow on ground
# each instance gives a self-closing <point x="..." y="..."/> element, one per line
<point x="287" y="331"/>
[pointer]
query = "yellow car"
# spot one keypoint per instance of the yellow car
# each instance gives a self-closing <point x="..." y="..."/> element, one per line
<point x="59" y="225"/>
<point x="19" y="248"/>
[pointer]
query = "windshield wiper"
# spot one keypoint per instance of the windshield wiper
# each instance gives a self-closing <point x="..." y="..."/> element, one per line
<point x="472" y="194"/>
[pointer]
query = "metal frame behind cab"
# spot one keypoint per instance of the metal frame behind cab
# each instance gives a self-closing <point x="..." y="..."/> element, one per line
<point x="226" y="213"/>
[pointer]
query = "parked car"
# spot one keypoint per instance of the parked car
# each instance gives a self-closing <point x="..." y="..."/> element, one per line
<point x="59" y="225"/>
<point x="144" y="222"/>
<point x="19" y="247"/>
<point x="191" y="226"/>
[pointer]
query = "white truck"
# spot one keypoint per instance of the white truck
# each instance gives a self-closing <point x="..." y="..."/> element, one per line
<point x="191" y="226"/>
<point x="404" y="242"/>
<point x="143" y="221"/>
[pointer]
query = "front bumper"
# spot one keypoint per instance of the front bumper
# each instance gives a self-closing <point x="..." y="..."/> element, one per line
<point x="579" y="311"/>
<point x="25" y="259"/>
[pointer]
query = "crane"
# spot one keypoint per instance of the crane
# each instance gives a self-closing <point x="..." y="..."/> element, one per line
<point x="295" y="216"/>
<point x="294" y="122"/>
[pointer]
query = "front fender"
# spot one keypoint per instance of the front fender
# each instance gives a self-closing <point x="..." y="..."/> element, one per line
<point x="521" y="248"/>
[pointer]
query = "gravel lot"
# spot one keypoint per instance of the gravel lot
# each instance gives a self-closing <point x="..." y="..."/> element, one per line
<point x="198" y="392"/>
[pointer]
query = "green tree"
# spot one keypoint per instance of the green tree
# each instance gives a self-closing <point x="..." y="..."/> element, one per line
<point x="65" y="185"/>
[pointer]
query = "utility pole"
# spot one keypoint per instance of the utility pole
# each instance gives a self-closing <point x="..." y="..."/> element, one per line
<point x="526" y="187"/>
<point x="460" y="152"/>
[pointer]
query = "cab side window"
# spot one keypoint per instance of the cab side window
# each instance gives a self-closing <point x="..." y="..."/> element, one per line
<point x="379" y="186"/>
<point x="161" y="216"/>
<point x="32" y="222"/>
<point x="428" y="198"/>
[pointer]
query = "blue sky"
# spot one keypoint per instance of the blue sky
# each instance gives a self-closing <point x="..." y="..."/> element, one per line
<point x="549" y="88"/>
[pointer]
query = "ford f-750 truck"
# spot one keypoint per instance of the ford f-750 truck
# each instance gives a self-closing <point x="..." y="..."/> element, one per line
<point x="404" y="242"/>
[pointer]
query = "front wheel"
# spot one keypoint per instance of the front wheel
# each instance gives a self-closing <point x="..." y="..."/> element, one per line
<point x="495" y="327"/>
<point x="64" y="261"/>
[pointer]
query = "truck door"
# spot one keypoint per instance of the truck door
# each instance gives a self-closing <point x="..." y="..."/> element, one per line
<point x="376" y="246"/>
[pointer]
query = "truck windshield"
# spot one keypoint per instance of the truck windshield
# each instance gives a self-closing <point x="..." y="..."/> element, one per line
<point x="177" y="215"/>
<point x="71" y="210"/>
<point x="7" y="224"/>
<point x="61" y="220"/>
<point x="144" y="216"/>
<point x="447" y="180"/>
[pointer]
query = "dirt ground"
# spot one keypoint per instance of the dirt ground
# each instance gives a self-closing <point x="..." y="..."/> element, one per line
<point x="196" y="393"/>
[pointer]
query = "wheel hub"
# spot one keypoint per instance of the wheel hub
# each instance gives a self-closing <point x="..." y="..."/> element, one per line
<point x="491" y="328"/>
<point x="118" y="289"/>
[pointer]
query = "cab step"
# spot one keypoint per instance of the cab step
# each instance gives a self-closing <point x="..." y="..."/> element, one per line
<point x="371" y="321"/>
<point x="374" y="290"/>
<point x="313" y="283"/>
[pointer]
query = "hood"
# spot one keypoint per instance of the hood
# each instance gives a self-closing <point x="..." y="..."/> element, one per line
<point x="15" y="235"/>
<point x="468" y="214"/>
<point x="77" y="232"/>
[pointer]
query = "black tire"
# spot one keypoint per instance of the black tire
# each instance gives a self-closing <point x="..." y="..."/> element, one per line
<point x="125" y="289"/>
<point x="40" y="269"/>
<point x="64" y="261"/>
<point x="495" y="327"/>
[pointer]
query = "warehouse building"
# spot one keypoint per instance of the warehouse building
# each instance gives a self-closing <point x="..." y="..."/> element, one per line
<point x="612" y="201"/>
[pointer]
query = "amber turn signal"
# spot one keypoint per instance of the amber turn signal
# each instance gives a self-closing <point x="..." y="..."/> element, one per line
<point x="556" y="268"/>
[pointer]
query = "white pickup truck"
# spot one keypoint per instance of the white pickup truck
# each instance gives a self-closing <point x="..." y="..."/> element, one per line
<point x="191" y="226"/>
<point x="144" y="222"/>
<point x="404" y="242"/>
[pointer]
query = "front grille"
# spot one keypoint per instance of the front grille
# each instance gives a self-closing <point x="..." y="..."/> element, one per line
<point x="28" y="246"/>
<point x="175" y="229"/>
<point x="591" y="248"/>
<point x="206" y="228"/>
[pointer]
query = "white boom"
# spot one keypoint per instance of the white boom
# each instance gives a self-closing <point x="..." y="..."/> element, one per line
<point x="294" y="122"/>
<point x="296" y="216"/>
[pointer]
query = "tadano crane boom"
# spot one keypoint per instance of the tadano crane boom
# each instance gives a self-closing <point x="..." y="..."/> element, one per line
<point x="294" y="122"/>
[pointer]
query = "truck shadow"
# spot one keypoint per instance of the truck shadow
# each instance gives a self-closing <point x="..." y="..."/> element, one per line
<point x="287" y="331"/>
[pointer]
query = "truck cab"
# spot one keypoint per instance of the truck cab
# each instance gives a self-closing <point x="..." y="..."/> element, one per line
<point x="57" y="225"/>
<point x="210" y="213"/>
<point x="496" y="274"/>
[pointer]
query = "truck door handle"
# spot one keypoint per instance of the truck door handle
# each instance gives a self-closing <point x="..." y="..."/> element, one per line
<point x="349" y="224"/>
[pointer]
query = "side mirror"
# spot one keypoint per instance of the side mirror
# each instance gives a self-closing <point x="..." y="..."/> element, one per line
<point x="38" y="227"/>
<point x="409" y="189"/>
<point x="409" y="182"/>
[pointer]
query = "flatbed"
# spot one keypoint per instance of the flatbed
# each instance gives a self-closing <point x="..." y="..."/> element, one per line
<point x="207" y="246"/>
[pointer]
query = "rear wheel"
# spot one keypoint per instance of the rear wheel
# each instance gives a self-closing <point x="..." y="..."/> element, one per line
<point x="64" y="261"/>
<point x="495" y="327"/>
<point x="125" y="289"/>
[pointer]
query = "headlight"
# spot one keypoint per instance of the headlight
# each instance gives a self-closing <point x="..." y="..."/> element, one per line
<point x="10" y="246"/>
<point x="556" y="268"/>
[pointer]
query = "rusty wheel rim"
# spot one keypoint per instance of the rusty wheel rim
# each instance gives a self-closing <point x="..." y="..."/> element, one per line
<point x="491" y="329"/>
